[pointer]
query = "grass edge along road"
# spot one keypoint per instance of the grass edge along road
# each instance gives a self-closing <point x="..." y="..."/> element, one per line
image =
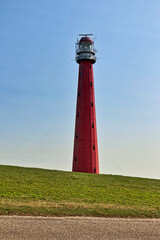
<point x="40" y="192"/>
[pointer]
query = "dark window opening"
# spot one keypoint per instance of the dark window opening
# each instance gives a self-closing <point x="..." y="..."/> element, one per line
<point x="76" y="135"/>
<point x="78" y="114"/>
<point x="91" y="84"/>
<point x="80" y="74"/>
<point x="79" y="94"/>
<point x="90" y="65"/>
<point x="75" y="159"/>
<point x="93" y="147"/>
<point x="94" y="170"/>
<point x="92" y="125"/>
<point x="91" y="104"/>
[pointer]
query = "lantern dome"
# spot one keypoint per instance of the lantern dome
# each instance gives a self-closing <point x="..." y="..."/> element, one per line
<point x="86" y="39"/>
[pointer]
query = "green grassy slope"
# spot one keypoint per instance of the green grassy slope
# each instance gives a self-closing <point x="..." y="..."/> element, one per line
<point x="28" y="191"/>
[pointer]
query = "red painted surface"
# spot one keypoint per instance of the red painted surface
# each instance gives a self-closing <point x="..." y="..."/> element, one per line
<point x="86" y="39"/>
<point x="85" y="155"/>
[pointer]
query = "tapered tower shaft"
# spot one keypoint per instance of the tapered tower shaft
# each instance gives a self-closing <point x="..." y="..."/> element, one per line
<point x="85" y="154"/>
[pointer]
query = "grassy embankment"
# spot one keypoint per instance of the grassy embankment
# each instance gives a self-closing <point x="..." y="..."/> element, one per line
<point x="28" y="191"/>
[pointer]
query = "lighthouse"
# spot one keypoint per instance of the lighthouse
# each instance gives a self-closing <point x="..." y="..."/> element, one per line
<point x="85" y="153"/>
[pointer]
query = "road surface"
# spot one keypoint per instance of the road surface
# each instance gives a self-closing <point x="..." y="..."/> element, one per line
<point x="78" y="228"/>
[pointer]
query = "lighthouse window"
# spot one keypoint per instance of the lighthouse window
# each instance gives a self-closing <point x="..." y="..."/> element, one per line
<point x="91" y="104"/>
<point x="78" y="114"/>
<point x="94" y="170"/>
<point x="90" y="66"/>
<point x="93" y="147"/>
<point x="92" y="125"/>
<point x="76" y="135"/>
<point x="91" y="84"/>
<point x="80" y="74"/>
<point x="79" y="94"/>
<point x="75" y="159"/>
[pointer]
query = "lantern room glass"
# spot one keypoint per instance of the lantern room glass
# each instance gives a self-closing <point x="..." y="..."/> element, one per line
<point x="85" y="46"/>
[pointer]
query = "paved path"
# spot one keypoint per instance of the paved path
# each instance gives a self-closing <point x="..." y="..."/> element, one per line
<point x="78" y="228"/>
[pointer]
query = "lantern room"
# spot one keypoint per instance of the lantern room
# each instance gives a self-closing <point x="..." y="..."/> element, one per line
<point x="85" y="49"/>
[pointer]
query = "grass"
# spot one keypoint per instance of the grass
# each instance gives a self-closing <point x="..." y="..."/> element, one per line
<point x="39" y="192"/>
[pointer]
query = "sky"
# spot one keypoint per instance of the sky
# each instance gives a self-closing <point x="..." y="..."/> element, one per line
<point x="39" y="77"/>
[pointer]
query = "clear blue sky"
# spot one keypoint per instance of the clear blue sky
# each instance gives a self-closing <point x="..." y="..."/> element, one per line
<point x="38" y="83"/>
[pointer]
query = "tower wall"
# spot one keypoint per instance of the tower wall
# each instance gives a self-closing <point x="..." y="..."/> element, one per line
<point x="85" y="154"/>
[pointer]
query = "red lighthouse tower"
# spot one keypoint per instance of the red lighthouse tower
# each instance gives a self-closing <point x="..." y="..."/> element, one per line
<point x="85" y="154"/>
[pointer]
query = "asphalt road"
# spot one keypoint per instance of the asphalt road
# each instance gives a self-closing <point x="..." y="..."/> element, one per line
<point x="78" y="228"/>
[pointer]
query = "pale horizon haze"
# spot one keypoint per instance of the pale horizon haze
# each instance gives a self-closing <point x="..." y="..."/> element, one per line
<point x="39" y="77"/>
